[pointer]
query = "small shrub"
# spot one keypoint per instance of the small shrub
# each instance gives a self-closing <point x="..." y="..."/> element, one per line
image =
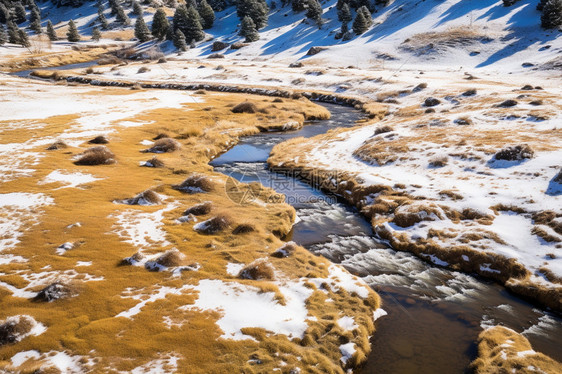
<point x="285" y="251"/>
<point x="99" y="155"/>
<point x="507" y="104"/>
<point x="463" y="121"/>
<point x="213" y="225"/>
<point x="153" y="163"/>
<point x="420" y="87"/>
<point x="132" y="260"/>
<point x="536" y="102"/>
<point x="54" y="292"/>
<point x="163" y="145"/>
<point x="257" y="270"/>
<point x="470" y="92"/>
<point x="216" y="55"/>
<point x="383" y="129"/>
<point x="431" y="101"/>
<point x="296" y="65"/>
<point x="147" y="197"/>
<point x="515" y="153"/>
<point x="194" y="184"/>
<point x="439" y="161"/>
<point x="12" y="329"/>
<point x="218" y="45"/>
<point x="100" y="139"/>
<point x="278" y="100"/>
<point x="200" y="92"/>
<point x="244" y="228"/>
<point x="59" y="144"/>
<point x="161" y="136"/>
<point x="199" y="209"/>
<point x="527" y="87"/>
<point x="245" y="107"/>
<point x="171" y="258"/>
<point x="143" y="69"/>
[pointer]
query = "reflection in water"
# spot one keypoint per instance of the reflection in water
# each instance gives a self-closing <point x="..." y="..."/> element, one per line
<point x="434" y="314"/>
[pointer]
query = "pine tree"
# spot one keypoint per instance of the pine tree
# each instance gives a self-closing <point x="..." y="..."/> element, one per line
<point x="113" y="6"/>
<point x="187" y="20"/>
<point x="3" y="35"/>
<point x="13" y="34"/>
<point x="160" y="24"/>
<point x="179" y="40"/>
<point x="23" y="39"/>
<point x="248" y="30"/>
<point x="552" y="14"/>
<point x="207" y="14"/>
<point x="314" y="11"/>
<point x="34" y="14"/>
<point x="36" y="26"/>
<point x="96" y="34"/>
<point x="218" y="5"/>
<point x="4" y="13"/>
<point x="51" y="31"/>
<point x="257" y="10"/>
<point x="367" y="14"/>
<point x="101" y="18"/>
<point x="19" y="13"/>
<point x="360" y="24"/>
<point x="137" y="9"/>
<point x="72" y="34"/>
<point x="541" y="3"/>
<point x="120" y="16"/>
<point x="298" y="5"/>
<point x="142" y="33"/>
<point x="344" y="14"/>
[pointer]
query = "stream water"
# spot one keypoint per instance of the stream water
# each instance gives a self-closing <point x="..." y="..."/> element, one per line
<point x="434" y="315"/>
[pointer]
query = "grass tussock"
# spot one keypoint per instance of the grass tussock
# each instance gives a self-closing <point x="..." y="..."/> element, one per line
<point x="199" y="209"/>
<point x="245" y="107"/>
<point x="438" y="161"/>
<point x="132" y="260"/>
<point x="55" y="291"/>
<point x="515" y="153"/>
<point x="163" y="145"/>
<point x="171" y="258"/>
<point x="12" y="329"/>
<point x="100" y="139"/>
<point x="244" y="228"/>
<point x="154" y="162"/>
<point x="59" y="144"/>
<point x="99" y="155"/>
<point x="383" y="129"/>
<point x="161" y="136"/>
<point x="147" y="197"/>
<point x="213" y="225"/>
<point x="195" y="184"/>
<point x="285" y="251"/>
<point x="257" y="270"/>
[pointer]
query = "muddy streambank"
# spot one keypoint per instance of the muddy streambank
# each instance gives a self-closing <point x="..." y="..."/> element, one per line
<point x="434" y="314"/>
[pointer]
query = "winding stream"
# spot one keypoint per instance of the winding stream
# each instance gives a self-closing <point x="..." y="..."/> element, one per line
<point x="434" y="314"/>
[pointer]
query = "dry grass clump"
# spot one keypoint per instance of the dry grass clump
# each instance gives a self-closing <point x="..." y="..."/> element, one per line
<point x="161" y="136"/>
<point x="100" y="139"/>
<point x="245" y="107"/>
<point x="515" y="153"/>
<point x="277" y="100"/>
<point x="471" y="92"/>
<point x="431" y="101"/>
<point x="499" y="351"/>
<point x="463" y="121"/>
<point x="12" y="329"/>
<point x="244" y="228"/>
<point x="383" y="129"/>
<point x="154" y="162"/>
<point x="163" y="145"/>
<point x="199" y="209"/>
<point x="137" y="257"/>
<point x="410" y="215"/>
<point x="285" y="251"/>
<point x="257" y="270"/>
<point x="507" y="104"/>
<point x="147" y="197"/>
<point x="171" y="258"/>
<point x="194" y="184"/>
<point x="143" y="69"/>
<point x="54" y="292"/>
<point x="213" y="225"/>
<point x="99" y="155"/>
<point x="59" y="144"/>
<point x="438" y="161"/>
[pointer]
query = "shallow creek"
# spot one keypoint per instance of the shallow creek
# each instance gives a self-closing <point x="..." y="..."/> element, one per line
<point x="434" y="315"/>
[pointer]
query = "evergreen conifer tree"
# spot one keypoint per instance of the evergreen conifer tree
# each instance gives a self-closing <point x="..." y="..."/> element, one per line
<point x="19" y="13"/>
<point x="142" y="33"/>
<point x="36" y="26"/>
<point x="4" y="13"/>
<point x="51" y="31"/>
<point x="23" y="39"/>
<point x="96" y="34"/>
<point x="360" y="24"/>
<point x="137" y="9"/>
<point x="101" y="18"/>
<point x="314" y="11"/>
<point x="257" y="10"/>
<point x="344" y="14"/>
<point x="248" y="30"/>
<point x="34" y="14"/>
<point x="194" y="30"/>
<point x="13" y="34"/>
<point x="160" y="24"/>
<point x="298" y="5"/>
<point x="207" y="14"/>
<point x="113" y="6"/>
<point x="541" y="3"/>
<point x="3" y="35"/>
<point x="367" y="14"/>
<point x="179" y="40"/>
<point x="218" y="5"/>
<point x="121" y="16"/>
<point x="72" y="34"/>
<point x="552" y="14"/>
